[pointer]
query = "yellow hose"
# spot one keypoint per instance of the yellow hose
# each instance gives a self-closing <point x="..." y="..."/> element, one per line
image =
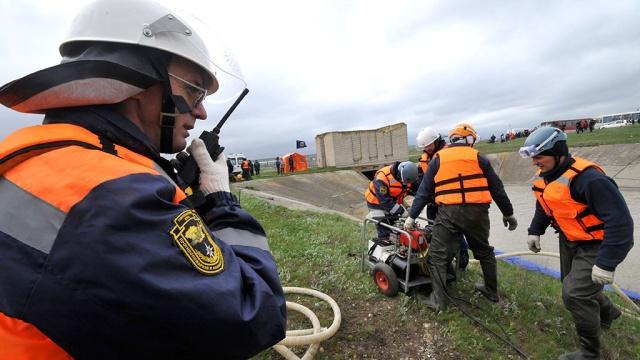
<point x="313" y="336"/>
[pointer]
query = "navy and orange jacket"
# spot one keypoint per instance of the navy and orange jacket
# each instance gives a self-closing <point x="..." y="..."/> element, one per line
<point x="427" y="191"/>
<point x="602" y="200"/>
<point x="101" y="255"/>
<point x="385" y="191"/>
<point x="574" y="219"/>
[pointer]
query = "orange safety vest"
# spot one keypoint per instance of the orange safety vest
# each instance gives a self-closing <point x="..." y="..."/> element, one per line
<point x="23" y="156"/>
<point x="574" y="219"/>
<point x="245" y="164"/>
<point x="424" y="162"/>
<point x="396" y="190"/>
<point x="460" y="179"/>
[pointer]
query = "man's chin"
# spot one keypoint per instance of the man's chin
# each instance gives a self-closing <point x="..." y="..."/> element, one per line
<point x="179" y="146"/>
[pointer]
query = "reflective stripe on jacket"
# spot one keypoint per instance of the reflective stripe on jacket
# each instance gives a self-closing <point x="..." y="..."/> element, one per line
<point x="574" y="219"/>
<point x="394" y="188"/>
<point x="459" y="179"/>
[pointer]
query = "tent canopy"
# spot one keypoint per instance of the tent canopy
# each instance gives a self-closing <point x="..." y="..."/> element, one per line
<point x="299" y="162"/>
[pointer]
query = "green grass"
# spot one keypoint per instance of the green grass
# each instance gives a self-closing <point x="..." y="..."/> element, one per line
<point x="621" y="135"/>
<point x="321" y="251"/>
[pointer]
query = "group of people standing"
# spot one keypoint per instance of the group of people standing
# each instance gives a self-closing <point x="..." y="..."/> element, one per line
<point x="584" y="125"/>
<point x="280" y="168"/>
<point x="250" y="168"/>
<point x="572" y="195"/>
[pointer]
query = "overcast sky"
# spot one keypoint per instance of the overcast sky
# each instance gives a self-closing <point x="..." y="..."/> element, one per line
<point x="319" y="66"/>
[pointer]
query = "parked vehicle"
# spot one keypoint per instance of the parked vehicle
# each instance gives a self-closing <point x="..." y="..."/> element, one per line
<point x="236" y="161"/>
<point x="614" y="124"/>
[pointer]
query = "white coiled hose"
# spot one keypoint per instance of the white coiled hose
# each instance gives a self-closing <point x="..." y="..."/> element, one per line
<point x="312" y="336"/>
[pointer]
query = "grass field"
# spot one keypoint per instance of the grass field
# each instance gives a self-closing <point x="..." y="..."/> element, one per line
<point x="322" y="252"/>
<point x="621" y="135"/>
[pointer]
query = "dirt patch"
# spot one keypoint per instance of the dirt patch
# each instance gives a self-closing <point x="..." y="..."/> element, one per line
<point x="377" y="329"/>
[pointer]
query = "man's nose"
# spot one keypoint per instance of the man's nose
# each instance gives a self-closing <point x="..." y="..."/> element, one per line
<point x="199" y="112"/>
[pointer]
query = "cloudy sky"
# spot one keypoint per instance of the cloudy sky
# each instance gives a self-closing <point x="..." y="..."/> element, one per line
<point x="318" y="66"/>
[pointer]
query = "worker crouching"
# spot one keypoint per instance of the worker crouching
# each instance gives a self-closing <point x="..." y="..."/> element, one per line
<point x="386" y="192"/>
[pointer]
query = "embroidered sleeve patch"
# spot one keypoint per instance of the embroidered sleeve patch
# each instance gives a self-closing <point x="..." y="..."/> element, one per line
<point x="195" y="241"/>
<point x="383" y="190"/>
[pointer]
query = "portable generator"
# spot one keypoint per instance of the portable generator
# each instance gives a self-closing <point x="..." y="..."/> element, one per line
<point x="399" y="263"/>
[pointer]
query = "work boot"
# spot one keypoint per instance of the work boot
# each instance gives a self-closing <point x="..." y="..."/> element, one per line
<point x="437" y="299"/>
<point x="490" y="287"/>
<point x="432" y="302"/>
<point x="605" y="321"/>
<point x="589" y="340"/>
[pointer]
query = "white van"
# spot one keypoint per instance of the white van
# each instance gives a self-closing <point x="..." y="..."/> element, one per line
<point x="236" y="161"/>
<point x="617" y="123"/>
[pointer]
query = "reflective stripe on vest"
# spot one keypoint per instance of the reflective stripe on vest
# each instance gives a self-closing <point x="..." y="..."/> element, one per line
<point x="424" y="162"/>
<point x="574" y="219"/>
<point x="31" y="160"/>
<point x="396" y="190"/>
<point x="460" y="179"/>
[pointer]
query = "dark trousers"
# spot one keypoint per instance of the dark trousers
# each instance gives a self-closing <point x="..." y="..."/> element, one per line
<point x="584" y="299"/>
<point x="452" y="221"/>
<point x="246" y="174"/>
<point x="383" y="217"/>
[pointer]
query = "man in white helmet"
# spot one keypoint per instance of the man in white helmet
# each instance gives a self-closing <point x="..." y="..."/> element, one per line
<point x="430" y="142"/>
<point x="463" y="185"/>
<point x="102" y="255"/>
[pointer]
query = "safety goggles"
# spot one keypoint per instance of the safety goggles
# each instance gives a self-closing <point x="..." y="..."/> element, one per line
<point x="195" y="92"/>
<point x="533" y="150"/>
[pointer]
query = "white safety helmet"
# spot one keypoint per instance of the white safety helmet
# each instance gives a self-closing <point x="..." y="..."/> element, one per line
<point x="102" y="64"/>
<point x="426" y="137"/>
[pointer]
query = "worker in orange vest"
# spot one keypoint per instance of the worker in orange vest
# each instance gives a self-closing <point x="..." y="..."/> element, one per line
<point x="430" y="141"/>
<point x="102" y="254"/>
<point x="463" y="184"/>
<point x="386" y="192"/>
<point x="246" y="169"/>
<point x="595" y="228"/>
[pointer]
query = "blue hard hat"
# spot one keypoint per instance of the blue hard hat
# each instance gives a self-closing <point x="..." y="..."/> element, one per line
<point x="408" y="172"/>
<point x="541" y="140"/>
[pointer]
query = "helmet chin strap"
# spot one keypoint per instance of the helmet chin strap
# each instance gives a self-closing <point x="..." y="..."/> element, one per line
<point x="172" y="105"/>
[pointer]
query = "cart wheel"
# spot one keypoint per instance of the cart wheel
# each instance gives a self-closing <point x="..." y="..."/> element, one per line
<point x="385" y="279"/>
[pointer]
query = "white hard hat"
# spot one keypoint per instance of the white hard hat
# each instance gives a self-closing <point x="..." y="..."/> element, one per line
<point x="140" y="22"/>
<point x="426" y="137"/>
<point x="102" y="64"/>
